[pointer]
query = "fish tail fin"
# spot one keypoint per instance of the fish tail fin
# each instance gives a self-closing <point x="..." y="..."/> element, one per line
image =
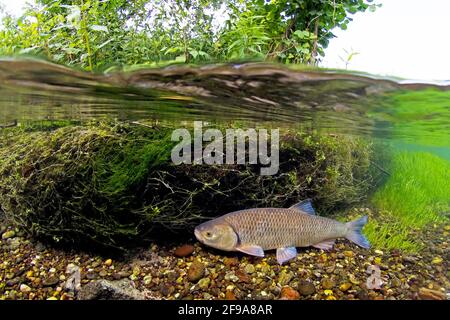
<point x="354" y="232"/>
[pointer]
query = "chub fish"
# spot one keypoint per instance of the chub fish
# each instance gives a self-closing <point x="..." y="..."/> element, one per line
<point x="253" y="231"/>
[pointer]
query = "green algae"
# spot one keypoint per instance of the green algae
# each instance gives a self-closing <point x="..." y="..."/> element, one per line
<point x="112" y="184"/>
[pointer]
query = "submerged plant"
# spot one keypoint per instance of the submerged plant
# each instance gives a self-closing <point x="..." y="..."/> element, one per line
<point x="113" y="184"/>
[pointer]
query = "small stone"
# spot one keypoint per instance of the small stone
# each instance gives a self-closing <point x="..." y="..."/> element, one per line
<point x="328" y="292"/>
<point x="428" y="294"/>
<point x="50" y="282"/>
<point x="148" y="279"/>
<point x="8" y="234"/>
<point x="345" y="286"/>
<point x="231" y="262"/>
<point x="108" y="262"/>
<point x="348" y="253"/>
<point x="231" y="276"/>
<point x="328" y="283"/>
<point x="287" y="293"/>
<point x="249" y="268"/>
<point x="362" y="295"/>
<point x="306" y="288"/>
<point x="196" y="271"/>
<point x="24" y="288"/>
<point x="103" y="273"/>
<point x="52" y="298"/>
<point x="379" y="252"/>
<point x="229" y="295"/>
<point x="353" y="279"/>
<point x="204" y="283"/>
<point x="437" y="260"/>
<point x="285" y="277"/>
<point x="184" y="251"/>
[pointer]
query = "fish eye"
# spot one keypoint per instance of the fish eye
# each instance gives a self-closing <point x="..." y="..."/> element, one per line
<point x="208" y="234"/>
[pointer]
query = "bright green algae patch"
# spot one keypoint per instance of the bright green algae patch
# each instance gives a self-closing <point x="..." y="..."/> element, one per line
<point x="416" y="195"/>
<point x="113" y="184"/>
<point x="418" y="191"/>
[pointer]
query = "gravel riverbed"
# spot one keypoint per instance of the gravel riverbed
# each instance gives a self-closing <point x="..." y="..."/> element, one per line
<point x="32" y="270"/>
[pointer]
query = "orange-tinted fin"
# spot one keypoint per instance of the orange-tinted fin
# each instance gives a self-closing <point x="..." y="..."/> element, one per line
<point x="251" y="250"/>
<point x="325" y="245"/>
<point x="286" y="254"/>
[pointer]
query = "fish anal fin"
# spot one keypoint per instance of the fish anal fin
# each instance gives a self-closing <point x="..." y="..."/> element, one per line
<point x="304" y="206"/>
<point x="252" y="250"/>
<point x="325" y="245"/>
<point x="286" y="254"/>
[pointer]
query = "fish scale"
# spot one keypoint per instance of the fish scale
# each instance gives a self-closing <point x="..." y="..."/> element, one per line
<point x="252" y="231"/>
<point x="273" y="228"/>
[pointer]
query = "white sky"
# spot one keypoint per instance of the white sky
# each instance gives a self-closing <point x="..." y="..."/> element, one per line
<point x="404" y="38"/>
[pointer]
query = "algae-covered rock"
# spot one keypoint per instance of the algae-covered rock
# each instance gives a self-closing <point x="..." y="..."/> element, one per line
<point x="113" y="184"/>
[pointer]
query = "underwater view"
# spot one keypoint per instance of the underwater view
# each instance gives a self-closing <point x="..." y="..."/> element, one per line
<point x="225" y="180"/>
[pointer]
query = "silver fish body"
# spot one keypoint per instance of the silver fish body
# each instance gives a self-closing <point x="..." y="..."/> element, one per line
<point x="273" y="228"/>
<point x="253" y="231"/>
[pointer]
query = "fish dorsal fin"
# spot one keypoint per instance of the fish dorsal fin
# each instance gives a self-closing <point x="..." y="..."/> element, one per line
<point x="286" y="254"/>
<point x="304" y="206"/>
<point x="251" y="250"/>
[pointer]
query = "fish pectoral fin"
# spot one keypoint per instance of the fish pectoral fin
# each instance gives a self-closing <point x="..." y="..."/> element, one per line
<point x="304" y="206"/>
<point x="252" y="250"/>
<point x="325" y="245"/>
<point x="286" y="254"/>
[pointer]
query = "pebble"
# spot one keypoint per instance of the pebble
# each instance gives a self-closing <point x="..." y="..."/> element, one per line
<point x="108" y="262"/>
<point x="231" y="276"/>
<point x="306" y="288"/>
<point x="148" y="279"/>
<point x="328" y="283"/>
<point x="51" y="281"/>
<point x="437" y="260"/>
<point x="204" y="283"/>
<point x="196" y="271"/>
<point x="353" y="279"/>
<point x="24" y="288"/>
<point x="231" y="262"/>
<point x="428" y="294"/>
<point x="184" y="251"/>
<point x="287" y="293"/>
<point x="348" y="253"/>
<point x="229" y="295"/>
<point x="345" y="286"/>
<point x="362" y="295"/>
<point x="285" y="277"/>
<point x="249" y="268"/>
<point x="8" y="234"/>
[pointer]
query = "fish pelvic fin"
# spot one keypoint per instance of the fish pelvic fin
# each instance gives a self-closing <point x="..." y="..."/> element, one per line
<point x="285" y="254"/>
<point x="354" y="232"/>
<point x="252" y="250"/>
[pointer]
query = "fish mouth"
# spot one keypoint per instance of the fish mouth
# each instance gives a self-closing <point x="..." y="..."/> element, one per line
<point x="197" y="234"/>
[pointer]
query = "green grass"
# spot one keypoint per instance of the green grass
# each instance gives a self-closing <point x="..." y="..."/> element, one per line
<point x="418" y="192"/>
<point x="416" y="195"/>
<point x="391" y="235"/>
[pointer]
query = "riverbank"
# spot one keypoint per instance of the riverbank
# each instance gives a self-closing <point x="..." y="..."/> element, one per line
<point x="31" y="270"/>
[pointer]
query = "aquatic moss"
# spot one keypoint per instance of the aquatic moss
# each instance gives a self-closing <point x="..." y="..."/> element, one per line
<point x="418" y="190"/>
<point x="113" y="184"/>
<point x="416" y="194"/>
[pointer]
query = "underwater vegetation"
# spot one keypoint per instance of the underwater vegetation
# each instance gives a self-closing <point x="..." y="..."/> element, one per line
<point x="113" y="184"/>
<point x="416" y="195"/>
<point x="419" y="116"/>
